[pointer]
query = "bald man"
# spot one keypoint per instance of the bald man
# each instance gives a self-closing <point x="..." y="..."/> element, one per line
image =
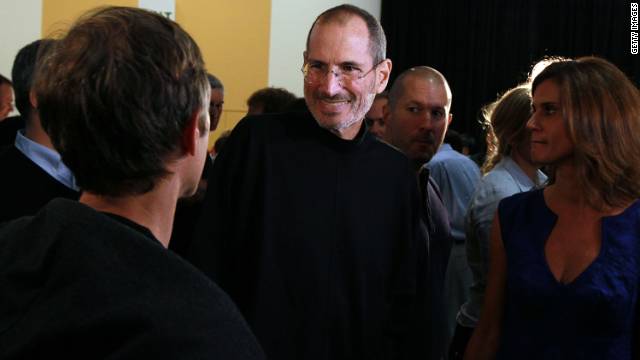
<point x="417" y="118"/>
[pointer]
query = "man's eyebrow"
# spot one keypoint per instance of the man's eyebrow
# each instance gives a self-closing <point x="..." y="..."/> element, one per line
<point x="415" y="102"/>
<point x="350" y="63"/>
<point x="342" y="63"/>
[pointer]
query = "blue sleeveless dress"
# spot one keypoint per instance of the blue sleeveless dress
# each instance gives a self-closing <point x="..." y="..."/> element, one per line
<point x="595" y="316"/>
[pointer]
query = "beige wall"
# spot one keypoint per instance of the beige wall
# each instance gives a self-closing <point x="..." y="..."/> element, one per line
<point x="21" y="25"/>
<point x="58" y="15"/>
<point x="234" y="38"/>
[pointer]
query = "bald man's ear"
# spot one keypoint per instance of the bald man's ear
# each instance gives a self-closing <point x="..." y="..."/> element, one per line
<point x="383" y="71"/>
<point x="450" y="118"/>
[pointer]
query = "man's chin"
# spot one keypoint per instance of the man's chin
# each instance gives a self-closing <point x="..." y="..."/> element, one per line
<point x="421" y="158"/>
<point x="329" y="122"/>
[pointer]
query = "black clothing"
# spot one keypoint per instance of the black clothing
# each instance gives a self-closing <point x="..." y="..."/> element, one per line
<point x="79" y="284"/>
<point x="25" y="187"/>
<point x="318" y="240"/>
<point x="8" y="129"/>
<point x="184" y="224"/>
<point x="459" y="343"/>
<point x="188" y="211"/>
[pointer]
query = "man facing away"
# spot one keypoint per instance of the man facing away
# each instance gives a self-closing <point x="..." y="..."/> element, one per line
<point x="320" y="268"/>
<point x="416" y="120"/>
<point x="34" y="173"/>
<point x="93" y="279"/>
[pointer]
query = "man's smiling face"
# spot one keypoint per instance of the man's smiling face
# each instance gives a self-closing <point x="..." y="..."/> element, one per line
<point x="338" y="103"/>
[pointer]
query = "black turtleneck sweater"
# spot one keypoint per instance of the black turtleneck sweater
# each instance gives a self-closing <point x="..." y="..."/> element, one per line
<point x="317" y="240"/>
<point x="79" y="284"/>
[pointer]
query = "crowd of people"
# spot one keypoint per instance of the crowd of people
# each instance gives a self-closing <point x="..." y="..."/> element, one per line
<point x="348" y="224"/>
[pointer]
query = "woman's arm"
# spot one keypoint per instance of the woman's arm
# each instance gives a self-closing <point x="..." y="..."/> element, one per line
<point x="486" y="337"/>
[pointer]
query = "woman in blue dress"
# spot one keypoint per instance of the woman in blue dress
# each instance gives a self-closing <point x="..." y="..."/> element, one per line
<point x="565" y="260"/>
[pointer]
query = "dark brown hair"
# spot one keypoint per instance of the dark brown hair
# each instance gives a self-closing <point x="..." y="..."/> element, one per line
<point x="116" y="95"/>
<point x="273" y="100"/>
<point x="23" y="70"/>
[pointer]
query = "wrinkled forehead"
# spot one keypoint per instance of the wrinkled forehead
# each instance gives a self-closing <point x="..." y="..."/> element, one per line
<point x="343" y="40"/>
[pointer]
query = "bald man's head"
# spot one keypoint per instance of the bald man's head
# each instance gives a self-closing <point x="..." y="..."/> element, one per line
<point x="418" y="115"/>
<point x="425" y="73"/>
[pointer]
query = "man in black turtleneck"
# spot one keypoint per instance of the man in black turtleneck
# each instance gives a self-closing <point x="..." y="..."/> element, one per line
<point x="311" y="224"/>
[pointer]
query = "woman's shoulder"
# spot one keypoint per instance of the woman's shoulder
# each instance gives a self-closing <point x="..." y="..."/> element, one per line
<point x="524" y="199"/>
<point x="629" y="214"/>
<point x="525" y="207"/>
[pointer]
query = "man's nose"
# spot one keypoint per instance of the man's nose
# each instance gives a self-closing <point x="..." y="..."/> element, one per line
<point x="331" y="82"/>
<point x="427" y="121"/>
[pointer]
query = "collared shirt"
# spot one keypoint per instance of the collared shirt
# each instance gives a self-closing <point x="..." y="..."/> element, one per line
<point x="505" y="179"/>
<point x="457" y="177"/>
<point x="47" y="159"/>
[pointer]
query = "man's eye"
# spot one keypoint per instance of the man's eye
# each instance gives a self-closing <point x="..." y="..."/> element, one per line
<point x="350" y="69"/>
<point x="413" y="109"/>
<point x="315" y="68"/>
<point x="437" y="114"/>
